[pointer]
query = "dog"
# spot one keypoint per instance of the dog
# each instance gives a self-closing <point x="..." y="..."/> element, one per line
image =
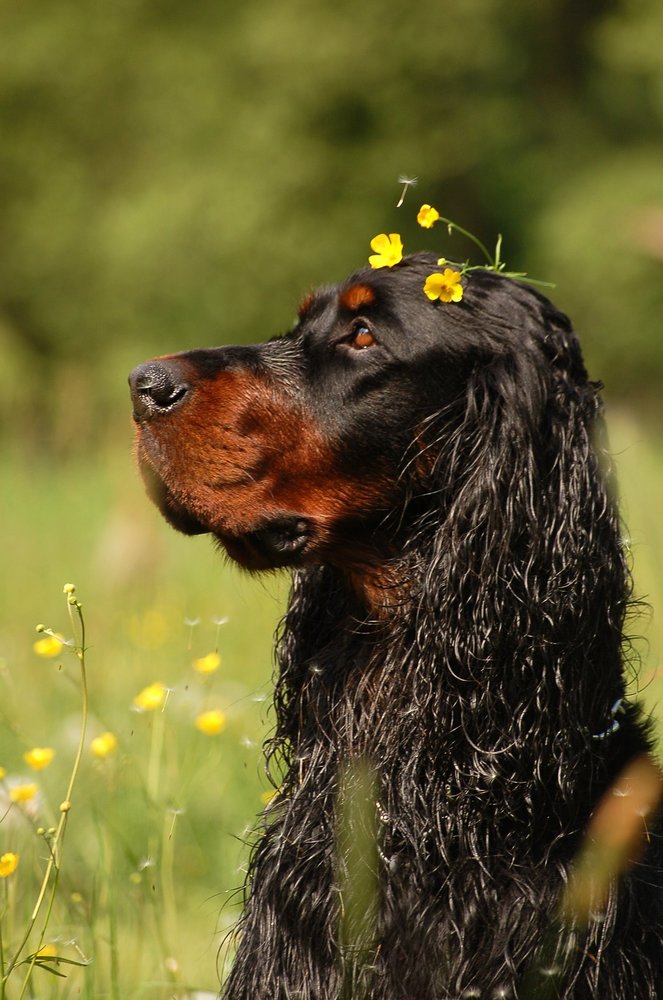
<point x="434" y="476"/>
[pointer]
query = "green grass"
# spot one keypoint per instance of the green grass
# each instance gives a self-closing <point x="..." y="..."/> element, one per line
<point x="154" y="846"/>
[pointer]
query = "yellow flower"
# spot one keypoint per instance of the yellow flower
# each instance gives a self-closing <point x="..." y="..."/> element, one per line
<point x="427" y="216"/>
<point x="269" y="795"/>
<point x="47" y="951"/>
<point x="207" y="664"/>
<point x="8" y="864"/>
<point x="23" y="793"/>
<point x="388" y="250"/>
<point x="211" y="722"/>
<point x="50" y="645"/>
<point x="39" y="757"/>
<point x="103" y="745"/>
<point x="446" y="286"/>
<point x="151" y="697"/>
<point x="3" y="774"/>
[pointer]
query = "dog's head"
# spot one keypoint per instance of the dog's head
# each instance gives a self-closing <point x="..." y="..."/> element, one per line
<point x="299" y="450"/>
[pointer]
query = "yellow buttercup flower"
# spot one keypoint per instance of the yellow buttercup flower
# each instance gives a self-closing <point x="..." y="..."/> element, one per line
<point x="207" y="664"/>
<point x="47" y="951"/>
<point x="8" y="864"/>
<point x="50" y="645"/>
<point x="103" y="745"/>
<point x="211" y="722"/>
<point x="388" y="250"/>
<point x="427" y="216"/>
<point x="445" y="287"/>
<point x="39" y="757"/>
<point x="23" y="793"/>
<point x="151" y="698"/>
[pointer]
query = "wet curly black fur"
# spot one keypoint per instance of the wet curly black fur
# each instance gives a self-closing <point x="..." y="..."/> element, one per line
<point x="474" y="655"/>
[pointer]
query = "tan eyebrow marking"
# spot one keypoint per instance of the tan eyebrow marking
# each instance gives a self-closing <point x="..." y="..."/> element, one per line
<point x="357" y="297"/>
<point x="305" y="304"/>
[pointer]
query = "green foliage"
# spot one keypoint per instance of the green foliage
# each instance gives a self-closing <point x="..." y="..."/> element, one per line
<point x="172" y="177"/>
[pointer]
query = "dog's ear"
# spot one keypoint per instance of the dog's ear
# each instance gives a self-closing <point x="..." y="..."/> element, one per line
<point x="526" y="556"/>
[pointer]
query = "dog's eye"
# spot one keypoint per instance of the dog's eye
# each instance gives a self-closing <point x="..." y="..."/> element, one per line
<point x="361" y="338"/>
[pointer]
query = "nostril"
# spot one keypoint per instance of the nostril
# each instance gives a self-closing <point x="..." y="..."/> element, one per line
<point x="155" y="388"/>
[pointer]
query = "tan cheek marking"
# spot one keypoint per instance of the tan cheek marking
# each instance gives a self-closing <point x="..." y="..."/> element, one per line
<point x="357" y="297"/>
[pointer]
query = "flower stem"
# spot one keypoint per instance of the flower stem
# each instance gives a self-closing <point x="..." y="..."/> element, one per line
<point x="492" y="261"/>
<point x="53" y="865"/>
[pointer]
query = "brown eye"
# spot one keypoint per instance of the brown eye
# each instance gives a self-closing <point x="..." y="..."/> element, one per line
<point x="362" y="338"/>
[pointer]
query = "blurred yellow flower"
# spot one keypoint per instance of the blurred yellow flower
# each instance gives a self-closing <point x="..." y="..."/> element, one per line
<point x="103" y="745"/>
<point x="39" y="757"/>
<point x="23" y="793"/>
<point x="207" y="664"/>
<point x="388" y="250"/>
<point x="151" y="697"/>
<point x="427" y="216"/>
<point x="50" y="645"/>
<point x="3" y="773"/>
<point x="211" y="722"/>
<point x="269" y="795"/>
<point x="8" y="864"/>
<point x="47" y="951"/>
<point x="446" y="286"/>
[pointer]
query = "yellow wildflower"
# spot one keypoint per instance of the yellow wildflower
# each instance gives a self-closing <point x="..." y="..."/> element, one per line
<point x="103" y="745"/>
<point x="207" y="664"/>
<point x="8" y="864"/>
<point x="211" y="722"/>
<point x="151" y="697"/>
<point x="23" y="793"/>
<point x="39" y="757"/>
<point x="50" y="645"/>
<point x="446" y="286"/>
<point x="3" y="774"/>
<point x="427" y="216"/>
<point x="47" y="951"/>
<point x="388" y="250"/>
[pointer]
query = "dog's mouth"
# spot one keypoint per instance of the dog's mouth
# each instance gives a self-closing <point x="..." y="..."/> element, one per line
<point x="276" y="540"/>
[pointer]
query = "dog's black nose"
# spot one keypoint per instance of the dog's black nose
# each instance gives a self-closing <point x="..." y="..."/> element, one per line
<point x="156" y="387"/>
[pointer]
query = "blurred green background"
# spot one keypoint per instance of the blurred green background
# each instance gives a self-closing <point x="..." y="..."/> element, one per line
<point x="176" y="175"/>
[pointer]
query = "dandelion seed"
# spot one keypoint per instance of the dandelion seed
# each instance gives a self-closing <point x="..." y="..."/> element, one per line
<point x="8" y="864"/>
<point x="191" y="622"/>
<point x="151" y="698"/>
<point x="407" y="182"/>
<point x="49" y="646"/>
<point x="211" y="722"/>
<point x="39" y="757"/>
<point x="103" y="745"/>
<point x="146" y="863"/>
<point x="207" y="664"/>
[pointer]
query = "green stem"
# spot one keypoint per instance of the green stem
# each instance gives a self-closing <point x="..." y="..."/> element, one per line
<point x="473" y="239"/>
<point x="156" y="748"/>
<point x="53" y="865"/>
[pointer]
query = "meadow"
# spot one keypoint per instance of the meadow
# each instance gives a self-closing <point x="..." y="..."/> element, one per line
<point x="178" y="665"/>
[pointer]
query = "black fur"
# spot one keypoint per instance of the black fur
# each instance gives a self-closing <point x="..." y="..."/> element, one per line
<point x="464" y="633"/>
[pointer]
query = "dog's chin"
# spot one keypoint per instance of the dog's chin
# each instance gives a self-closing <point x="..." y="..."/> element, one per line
<point x="177" y="515"/>
<point x="278" y="543"/>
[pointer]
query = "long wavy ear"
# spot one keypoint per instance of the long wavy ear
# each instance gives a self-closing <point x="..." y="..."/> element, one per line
<point x="525" y="572"/>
